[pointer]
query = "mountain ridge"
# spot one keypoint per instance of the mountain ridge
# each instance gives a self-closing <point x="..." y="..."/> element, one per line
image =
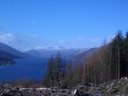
<point x="8" y="54"/>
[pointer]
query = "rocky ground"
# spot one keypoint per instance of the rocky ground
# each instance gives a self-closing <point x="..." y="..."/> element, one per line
<point x="113" y="88"/>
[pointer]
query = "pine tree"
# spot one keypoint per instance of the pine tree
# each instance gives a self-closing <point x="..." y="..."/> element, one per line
<point x="54" y="71"/>
<point x="117" y="45"/>
<point x="125" y="54"/>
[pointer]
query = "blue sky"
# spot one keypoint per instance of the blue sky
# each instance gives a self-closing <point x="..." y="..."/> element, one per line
<point x="31" y="24"/>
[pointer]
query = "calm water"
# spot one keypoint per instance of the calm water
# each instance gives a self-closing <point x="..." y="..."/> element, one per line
<point x="30" y="68"/>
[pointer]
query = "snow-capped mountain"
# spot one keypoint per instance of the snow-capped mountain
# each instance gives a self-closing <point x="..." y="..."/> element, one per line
<point x="53" y="51"/>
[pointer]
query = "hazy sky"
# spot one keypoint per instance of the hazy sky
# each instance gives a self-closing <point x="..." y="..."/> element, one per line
<point x="30" y="24"/>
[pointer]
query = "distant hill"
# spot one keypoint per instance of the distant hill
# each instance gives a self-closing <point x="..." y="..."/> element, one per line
<point x="7" y="58"/>
<point x="80" y="56"/>
<point x="6" y="48"/>
<point x="68" y="54"/>
<point x="47" y="53"/>
<point x="8" y="54"/>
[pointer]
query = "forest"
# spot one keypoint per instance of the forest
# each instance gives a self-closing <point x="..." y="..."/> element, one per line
<point x="109" y="62"/>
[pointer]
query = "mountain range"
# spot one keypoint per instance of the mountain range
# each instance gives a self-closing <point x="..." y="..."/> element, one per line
<point x="9" y="54"/>
<point x="47" y="53"/>
<point x="32" y="64"/>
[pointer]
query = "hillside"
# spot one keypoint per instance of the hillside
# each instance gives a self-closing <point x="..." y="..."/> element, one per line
<point x="11" y="50"/>
<point x="7" y="58"/>
<point x="8" y="54"/>
<point x="79" y="57"/>
<point x="47" y="53"/>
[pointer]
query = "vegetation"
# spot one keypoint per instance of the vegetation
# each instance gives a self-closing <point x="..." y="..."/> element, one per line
<point x="4" y="61"/>
<point x="54" y="73"/>
<point x="6" y="58"/>
<point x="107" y="63"/>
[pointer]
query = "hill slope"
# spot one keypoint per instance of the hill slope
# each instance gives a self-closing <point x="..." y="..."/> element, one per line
<point x="65" y="53"/>
<point x="8" y="54"/>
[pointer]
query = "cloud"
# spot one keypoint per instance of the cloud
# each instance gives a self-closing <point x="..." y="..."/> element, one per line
<point x="80" y="38"/>
<point x="87" y="42"/>
<point x="7" y="38"/>
<point x="35" y="41"/>
<point x="94" y="40"/>
<point x="109" y="38"/>
<point x="62" y="43"/>
<point x="21" y="42"/>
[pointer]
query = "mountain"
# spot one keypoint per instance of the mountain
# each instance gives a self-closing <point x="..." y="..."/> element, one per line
<point x="7" y="58"/>
<point x="76" y="55"/>
<point x="8" y="49"/>
<point x="72" y="56"/>
<point x="51" y="52"/>
<point x="85" y="53"/>
<point x="79" y="57"/>
<point x="47" y="53"/>
<point x="8" y="54"/>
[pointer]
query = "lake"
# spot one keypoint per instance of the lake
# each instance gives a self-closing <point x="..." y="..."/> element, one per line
<point x="24" y="69"/>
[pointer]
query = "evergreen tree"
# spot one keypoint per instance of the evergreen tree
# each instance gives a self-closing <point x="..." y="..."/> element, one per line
<point x="117" y="45"/>
<point x="54" y="71"/>
<point x="125" y="55"/>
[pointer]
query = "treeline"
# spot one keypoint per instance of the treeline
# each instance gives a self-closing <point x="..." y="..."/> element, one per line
<point x="54" y="71"/>
<point x="109" y="62"/>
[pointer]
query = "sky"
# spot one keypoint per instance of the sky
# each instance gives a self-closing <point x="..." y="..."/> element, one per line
<point x="36" y="24"/>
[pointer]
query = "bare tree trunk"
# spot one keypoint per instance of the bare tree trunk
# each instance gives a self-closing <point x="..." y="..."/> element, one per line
<point x="118" y="63"/>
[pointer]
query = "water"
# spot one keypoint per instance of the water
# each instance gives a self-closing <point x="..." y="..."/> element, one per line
<point x="24" y="69"/>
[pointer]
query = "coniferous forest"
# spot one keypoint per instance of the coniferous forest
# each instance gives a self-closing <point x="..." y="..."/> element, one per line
<point x="108" y="62"/>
